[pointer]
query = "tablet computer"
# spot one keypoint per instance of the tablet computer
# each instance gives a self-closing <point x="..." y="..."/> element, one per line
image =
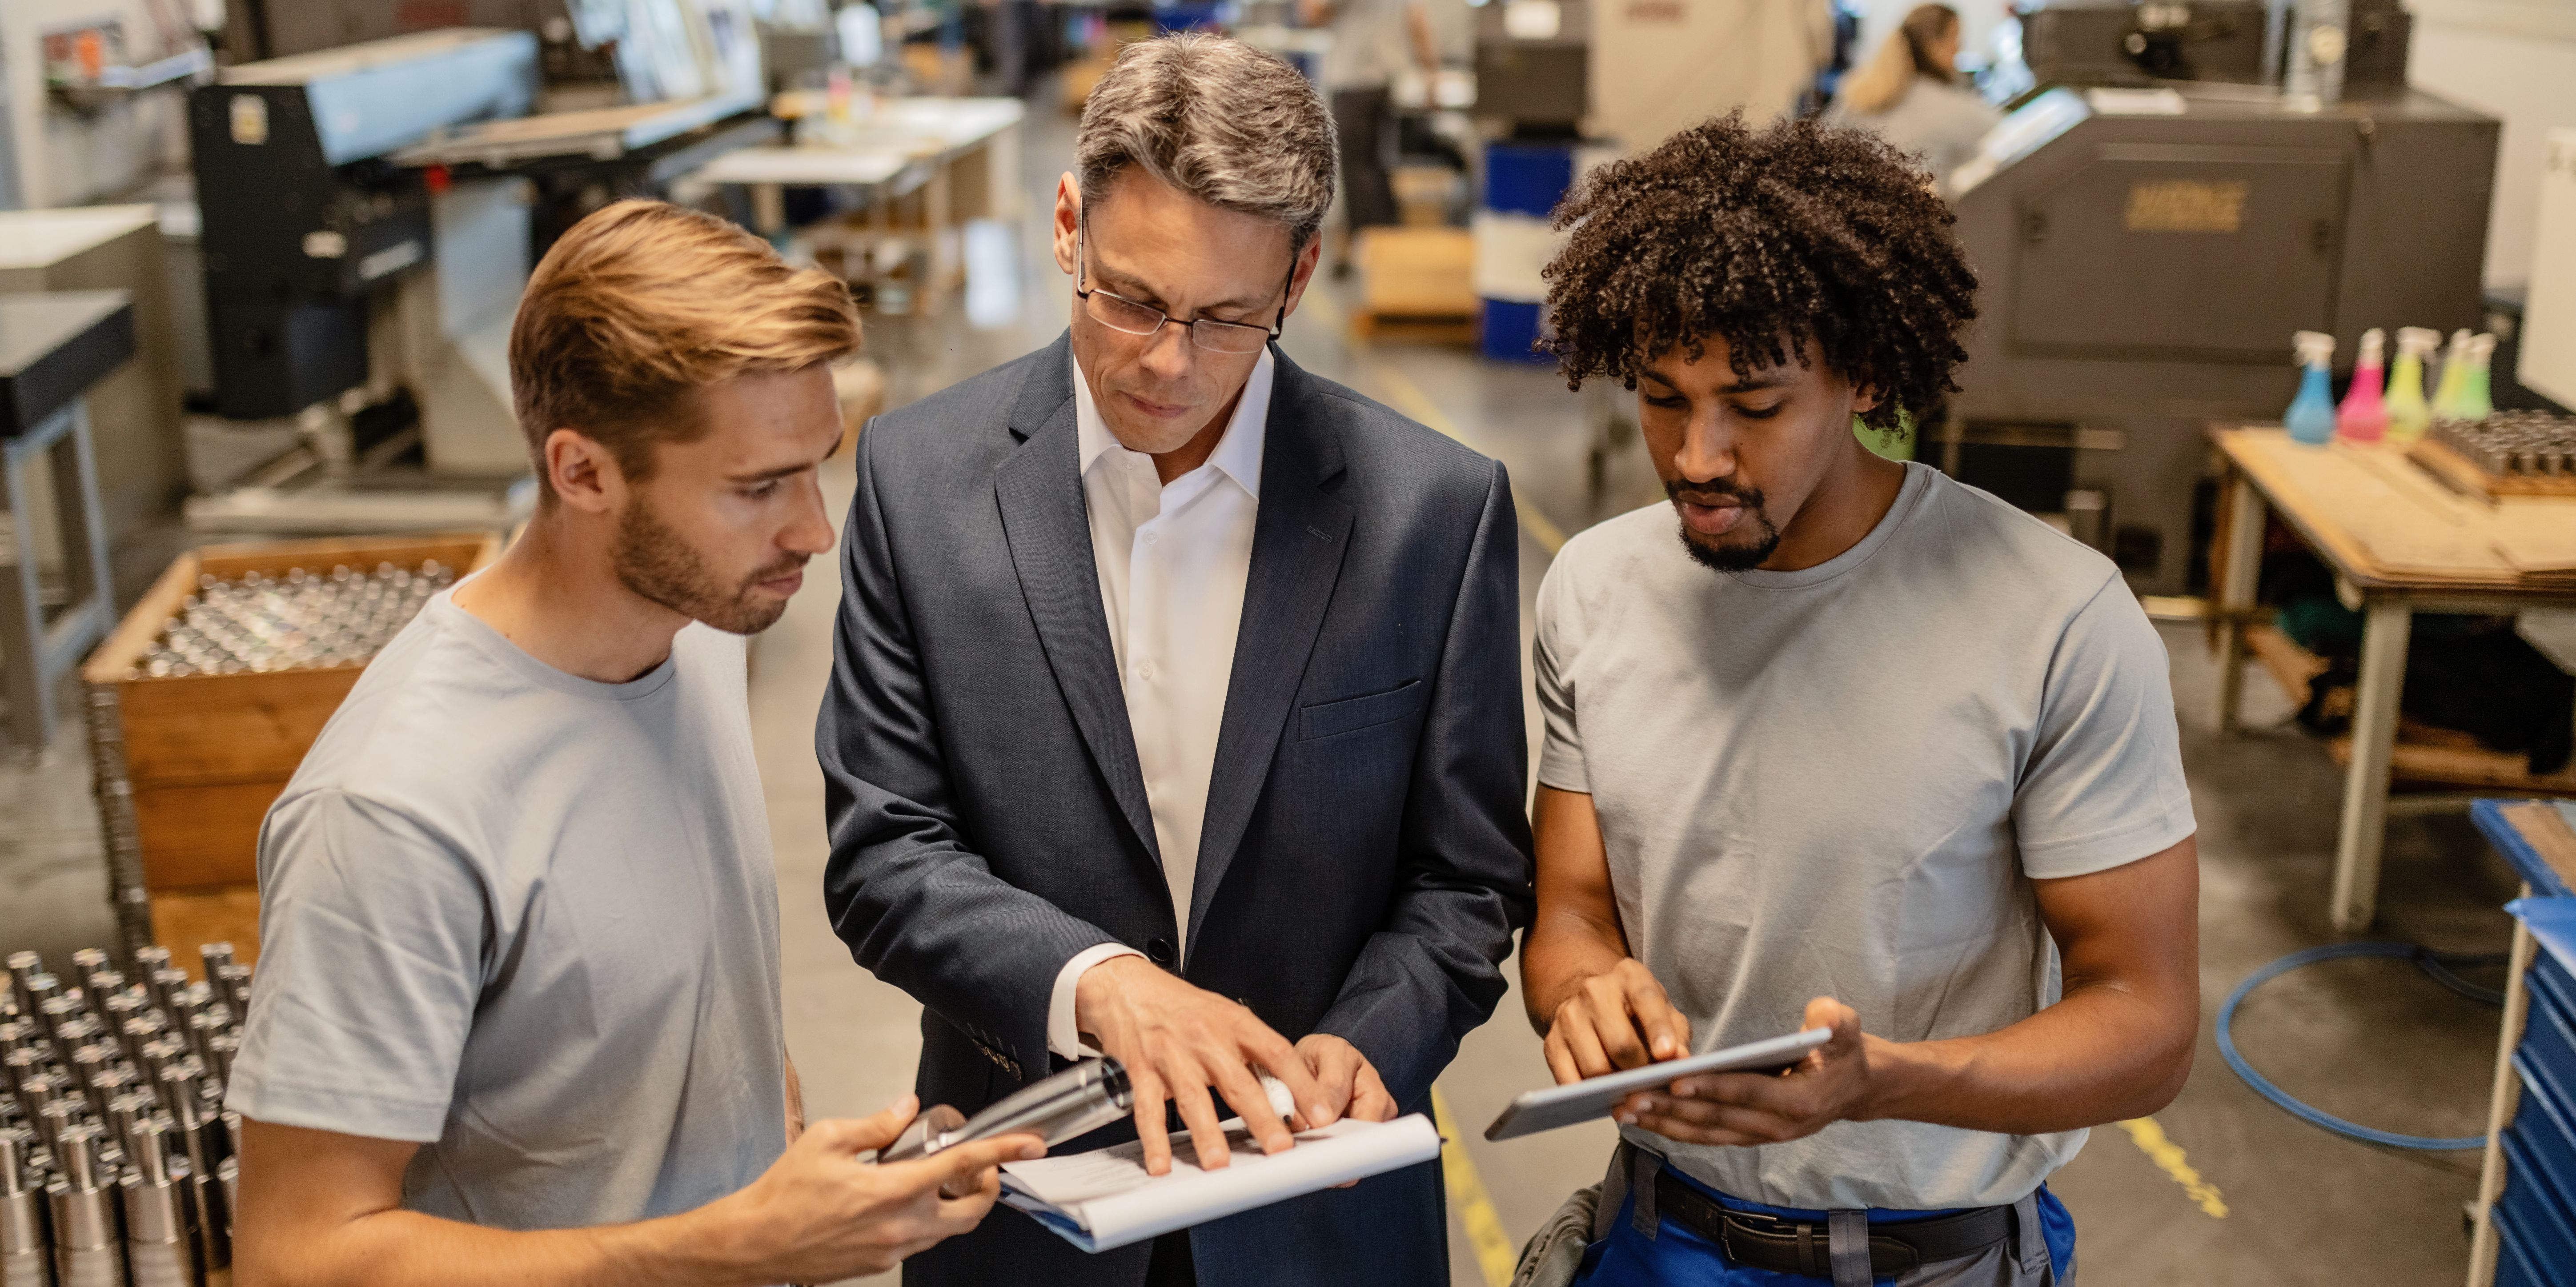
<point x="1545" y="1110"/>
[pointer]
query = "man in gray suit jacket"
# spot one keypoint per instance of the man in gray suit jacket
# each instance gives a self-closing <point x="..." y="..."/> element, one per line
<point x="1177" y="706"/>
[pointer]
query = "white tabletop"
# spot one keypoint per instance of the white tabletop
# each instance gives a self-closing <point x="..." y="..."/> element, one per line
<point x="39" y="238"/>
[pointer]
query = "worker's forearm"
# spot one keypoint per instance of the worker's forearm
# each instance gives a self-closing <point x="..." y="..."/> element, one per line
<point x="2104" y="1053"/>
<point x="1563" y="948"/>
<point x="408" y="1249"/>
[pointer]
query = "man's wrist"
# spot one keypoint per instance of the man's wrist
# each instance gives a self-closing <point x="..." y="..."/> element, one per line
<point x="1901" y="1079"/>
<point x="1064" y="1010"/>
<point x="709" y="1245"/>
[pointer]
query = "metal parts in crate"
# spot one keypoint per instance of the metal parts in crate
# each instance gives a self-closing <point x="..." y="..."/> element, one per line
<point x="116" y="1155"/>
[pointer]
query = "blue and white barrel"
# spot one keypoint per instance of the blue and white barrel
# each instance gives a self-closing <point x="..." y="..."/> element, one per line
<point x="1523" y="183"/>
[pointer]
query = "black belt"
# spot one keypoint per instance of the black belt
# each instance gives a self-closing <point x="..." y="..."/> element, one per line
<point x="1798" y="1247"/>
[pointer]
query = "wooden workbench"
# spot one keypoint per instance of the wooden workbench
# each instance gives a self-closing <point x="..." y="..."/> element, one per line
<point x="2398" y="542"/>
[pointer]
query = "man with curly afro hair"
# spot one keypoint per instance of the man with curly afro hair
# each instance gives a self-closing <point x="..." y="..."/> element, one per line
<point x="1835" y="742"/>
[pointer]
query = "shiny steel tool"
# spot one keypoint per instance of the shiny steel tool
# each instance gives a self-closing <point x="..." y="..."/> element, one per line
<point x="83" y="1204"/>
<point x="1081" y="1099"/>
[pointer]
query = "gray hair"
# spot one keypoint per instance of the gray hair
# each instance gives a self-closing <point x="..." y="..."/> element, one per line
<point x="1226" y="123"/>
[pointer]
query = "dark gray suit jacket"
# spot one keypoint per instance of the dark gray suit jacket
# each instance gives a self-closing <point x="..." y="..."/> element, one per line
<point x="1365" y="857"/>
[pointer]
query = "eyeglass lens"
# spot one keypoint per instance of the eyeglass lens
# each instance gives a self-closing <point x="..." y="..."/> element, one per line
<point x="1136" y="319"/>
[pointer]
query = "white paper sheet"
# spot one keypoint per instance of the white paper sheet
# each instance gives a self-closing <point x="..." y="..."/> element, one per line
<point x="1104" y="1198"/>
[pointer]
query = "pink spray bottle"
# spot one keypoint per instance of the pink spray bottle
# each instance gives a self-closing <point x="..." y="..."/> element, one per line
<point x="2364" y="415"/>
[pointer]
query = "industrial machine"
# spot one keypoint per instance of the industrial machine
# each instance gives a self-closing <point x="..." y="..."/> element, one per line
<point x="2120" y="42"/>
<point x="370" y="216"/>
<point x="2145" y="255"/>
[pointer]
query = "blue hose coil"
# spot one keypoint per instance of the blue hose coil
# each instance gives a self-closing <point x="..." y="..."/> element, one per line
<point x="2423" y="957"/>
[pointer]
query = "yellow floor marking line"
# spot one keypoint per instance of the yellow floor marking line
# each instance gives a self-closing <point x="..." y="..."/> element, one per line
<point x="2168" y="1157"/>
<point x="1408" y="397"/>
<point x="1496" y="1257"/>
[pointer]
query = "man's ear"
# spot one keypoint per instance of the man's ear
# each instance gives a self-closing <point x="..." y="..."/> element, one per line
<point x="582" y="472"/>
<point x="1305" y="270"/>
<point x="1068" y="221"/>
<point x="1864" y="400"/>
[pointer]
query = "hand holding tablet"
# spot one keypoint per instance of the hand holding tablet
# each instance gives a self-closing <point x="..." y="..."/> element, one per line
<point x="1581" y="1101"/>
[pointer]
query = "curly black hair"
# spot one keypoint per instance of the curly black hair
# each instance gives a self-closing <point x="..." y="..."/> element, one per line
<point x="1765" y="239"/>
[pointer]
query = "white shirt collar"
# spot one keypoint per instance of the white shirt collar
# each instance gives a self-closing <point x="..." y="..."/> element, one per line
<point x="1238" y="453"/>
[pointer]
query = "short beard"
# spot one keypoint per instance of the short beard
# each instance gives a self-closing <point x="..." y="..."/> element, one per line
<point x="1730" y="557"/>
<point x="654" y="561"/>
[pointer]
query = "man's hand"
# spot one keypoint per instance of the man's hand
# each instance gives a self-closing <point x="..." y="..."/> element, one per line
<point x="1831" y="1084"/>
<point x="1176" y="1041"/>
<point x="1619" y="1018"/>
<point x="819" y="1214"/>
<point x="1349" y="1082"/>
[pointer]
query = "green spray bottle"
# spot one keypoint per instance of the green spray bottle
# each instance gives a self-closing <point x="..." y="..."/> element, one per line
<point x="2476" y="400"/>
<point x="2409" y="415"/>
<point x="2455" y="376"/>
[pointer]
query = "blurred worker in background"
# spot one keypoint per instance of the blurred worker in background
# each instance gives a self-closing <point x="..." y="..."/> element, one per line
<point x="517" y="1019"/>
<point x="1372" y="42"/>
<point x="1910" y="92"/>
<point x="1176" y="707"/>
<point x="1835" y="742"/>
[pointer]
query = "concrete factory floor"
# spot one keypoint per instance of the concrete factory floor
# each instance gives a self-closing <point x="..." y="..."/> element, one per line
<point x="2221" y="1188"/>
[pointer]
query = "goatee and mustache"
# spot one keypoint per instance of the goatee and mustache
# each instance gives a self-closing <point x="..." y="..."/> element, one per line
<point x="1719" y="554"/>
<point x="653" y="560"/>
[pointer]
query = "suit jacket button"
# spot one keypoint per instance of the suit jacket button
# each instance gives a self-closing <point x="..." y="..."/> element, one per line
<point x="1159" y="951"/>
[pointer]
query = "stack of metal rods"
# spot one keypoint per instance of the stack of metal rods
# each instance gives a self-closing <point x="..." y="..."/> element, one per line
<point x="116" y="1156"/>
<point x="2530" y="444"/>
<point x="335" y="617"/>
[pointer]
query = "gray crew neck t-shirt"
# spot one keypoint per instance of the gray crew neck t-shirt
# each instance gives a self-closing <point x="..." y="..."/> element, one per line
<point x="528" y="921"/>
<point x="1841" y="780"/>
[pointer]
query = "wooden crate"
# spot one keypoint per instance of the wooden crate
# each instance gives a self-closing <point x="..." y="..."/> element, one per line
<point x="1417" y="283"/>
<point x="188" y="765"/>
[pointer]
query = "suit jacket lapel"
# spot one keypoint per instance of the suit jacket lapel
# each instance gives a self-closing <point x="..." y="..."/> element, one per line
<point x="1297" y="545"/>
<point x="1049" y="530"/>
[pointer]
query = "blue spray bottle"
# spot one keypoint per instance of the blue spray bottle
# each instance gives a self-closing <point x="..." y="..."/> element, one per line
<point x="2311" y="417"/>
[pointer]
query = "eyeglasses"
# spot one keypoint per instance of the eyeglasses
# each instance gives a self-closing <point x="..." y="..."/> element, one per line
<point x="1119" y="313"/>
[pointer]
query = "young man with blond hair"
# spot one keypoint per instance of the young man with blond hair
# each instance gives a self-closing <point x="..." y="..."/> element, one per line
<point x="518" y="1016"/>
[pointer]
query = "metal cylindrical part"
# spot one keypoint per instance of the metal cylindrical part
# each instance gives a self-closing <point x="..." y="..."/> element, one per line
<point x="228" y="1175"/>
<point x="215" y="956"/>
<point x="128" y="1112"/>
<point x="233" y="981"/>
<point x="22" y="967"/>
<point x="222" y="1049"/>
<point x="160" y="1054"/>
<point x="206" y="1025"/>
<point x="87" y="1251"/>
<point x="141" y="1031"/>
<point x="22" y="1207"/>
<point x="78" y="1155"/>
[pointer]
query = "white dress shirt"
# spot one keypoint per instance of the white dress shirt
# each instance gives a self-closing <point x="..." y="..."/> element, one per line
<point x="1173" y="559"/>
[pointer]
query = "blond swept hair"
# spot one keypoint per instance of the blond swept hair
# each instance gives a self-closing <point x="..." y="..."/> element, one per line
<point x="643" y="303"/>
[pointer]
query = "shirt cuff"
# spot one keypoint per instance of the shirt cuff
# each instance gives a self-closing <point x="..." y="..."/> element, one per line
<point x="1062" y="1036"/>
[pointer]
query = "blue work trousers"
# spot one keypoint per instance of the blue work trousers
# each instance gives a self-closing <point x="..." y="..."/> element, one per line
<point x="1677" y="1257"/>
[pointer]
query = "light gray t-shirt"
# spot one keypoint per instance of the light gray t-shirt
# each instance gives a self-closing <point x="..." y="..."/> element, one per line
<point x="1938" y="122"/>
<point x="1840" y="782"/>
<point x="527" y="920"/>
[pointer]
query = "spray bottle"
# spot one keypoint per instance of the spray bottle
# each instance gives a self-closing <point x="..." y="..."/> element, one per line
<point x="2455" y="376"/>
<point x="2364" y="416"/>
<point x="2408" y="413"/>
<point x="2476" y="400"/>
<point x="2311" y="417"/>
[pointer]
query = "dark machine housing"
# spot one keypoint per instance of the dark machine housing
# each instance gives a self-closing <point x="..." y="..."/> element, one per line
<point x="304" y="216"/>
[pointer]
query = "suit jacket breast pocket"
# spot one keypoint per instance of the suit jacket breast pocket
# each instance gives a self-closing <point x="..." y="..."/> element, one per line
<point x="1351" y="714"/>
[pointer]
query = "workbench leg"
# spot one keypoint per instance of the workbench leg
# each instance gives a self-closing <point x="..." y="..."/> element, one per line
<point x="2238" y="580"/>
<point x="22" y="610"/>
<point x="2364" y="828"/>
<point x="2502" y="1099"/>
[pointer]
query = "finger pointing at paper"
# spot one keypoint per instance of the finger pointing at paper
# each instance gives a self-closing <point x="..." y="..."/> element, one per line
<point x="1178" y="1042"/>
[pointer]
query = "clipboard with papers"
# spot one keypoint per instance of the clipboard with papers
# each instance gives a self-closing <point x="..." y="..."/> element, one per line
<point x="1104" y="1199"/>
